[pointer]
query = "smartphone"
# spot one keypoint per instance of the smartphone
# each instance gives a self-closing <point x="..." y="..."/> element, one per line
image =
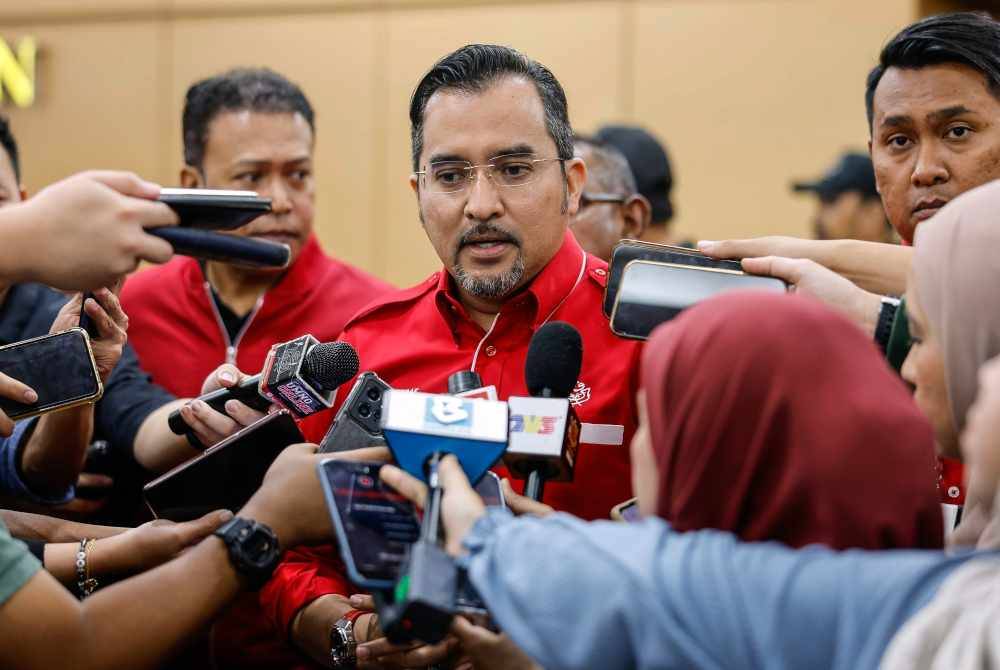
<point x="627" y="511"/>
<point x="627" y="251"/>
<point x="85" y="321"/>
<point x="651" y="293"/>
<point x="214" y="209"/>
<point x="375" y="526"/>
<point x="224" y="476"/>
<point x="358" y="421"/>
<point x="490" y="490"/>
<point x="60" y="368"/>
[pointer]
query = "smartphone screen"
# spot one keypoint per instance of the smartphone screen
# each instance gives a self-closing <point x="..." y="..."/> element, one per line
<point x="652" y="293"/>
<point x="375" y="525"/>
<point x="489" y="490"/>
<point x="60" y="368"/>
<point x="630" y="513"/>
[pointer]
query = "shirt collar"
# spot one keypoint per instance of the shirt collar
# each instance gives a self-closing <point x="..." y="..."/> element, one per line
<point x="542" y="295"/>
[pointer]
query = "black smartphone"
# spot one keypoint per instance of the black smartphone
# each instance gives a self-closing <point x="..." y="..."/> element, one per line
<point x="375" y="526"/>
<point x="224" y="476"/>
<point x="490" y="491"/>
<point x="85" y="321"/>
<point x="651" y="293"/>
<point x="214" y="209"/>
<point x="627" y="251"/>
<point x="358" y="421"/>
<point x="60" y="368"/>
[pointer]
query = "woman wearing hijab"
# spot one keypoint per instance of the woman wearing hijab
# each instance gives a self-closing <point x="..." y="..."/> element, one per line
<point x="777" y="419"/>
<point x="609" y="595"/>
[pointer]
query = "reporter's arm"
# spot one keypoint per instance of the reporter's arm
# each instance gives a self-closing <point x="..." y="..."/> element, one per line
<point x="874" y="266"/>
<point x="28" y="526"/>
<point x="54" y="452"/>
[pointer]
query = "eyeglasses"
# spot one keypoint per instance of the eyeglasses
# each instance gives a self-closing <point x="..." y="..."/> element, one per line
<point x="587" y="199"/>
<point x="509" y="171"/>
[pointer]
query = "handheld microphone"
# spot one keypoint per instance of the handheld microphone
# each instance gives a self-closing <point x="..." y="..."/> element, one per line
<point x="464" y="381"/>
<point x="544" y="429"/>
<point x="212" y="246"/>
<point x="300" y="375"/>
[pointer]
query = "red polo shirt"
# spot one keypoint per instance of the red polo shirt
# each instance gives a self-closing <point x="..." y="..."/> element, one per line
<point x="416" y="338"/>
<point x="179" y="336"/>
<point x="180" y="339"/>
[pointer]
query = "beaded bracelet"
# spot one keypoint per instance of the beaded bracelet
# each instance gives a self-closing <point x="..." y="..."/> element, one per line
<point x="85" y="584"/>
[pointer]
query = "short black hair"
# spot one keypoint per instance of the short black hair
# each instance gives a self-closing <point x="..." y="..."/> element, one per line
<point x="609" y="166"/>
<point x="472" y="69"/>
<point x="253" y="89"/>
<point x="968" y="38"/>
<point x="9" y="145"/>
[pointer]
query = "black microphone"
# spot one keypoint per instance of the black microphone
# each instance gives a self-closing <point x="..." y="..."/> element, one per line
<point x="544" y="430"/>
<point x="463" y="381"/>
<point x="300" y="375"/>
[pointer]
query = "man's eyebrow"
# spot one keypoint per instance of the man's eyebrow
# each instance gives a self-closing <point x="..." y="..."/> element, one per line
<point x="447" y="158"/>
<point x="896" y="121"/>
<point x="948" y="113"/>
<point x="515" y="149"/>
<point x="263" y="162"/>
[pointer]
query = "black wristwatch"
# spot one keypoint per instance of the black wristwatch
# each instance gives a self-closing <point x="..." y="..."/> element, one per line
<point x="253" y="549"/>
<point x="886" y="317"/>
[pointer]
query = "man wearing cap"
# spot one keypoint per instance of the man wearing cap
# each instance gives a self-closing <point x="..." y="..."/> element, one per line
<point x="849" y="205"/>
<point x="610" y="206"/>
<point x="653" y="176"/>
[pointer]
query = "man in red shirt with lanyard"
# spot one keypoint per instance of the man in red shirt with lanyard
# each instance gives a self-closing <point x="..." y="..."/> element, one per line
<point x="496" y="185"/>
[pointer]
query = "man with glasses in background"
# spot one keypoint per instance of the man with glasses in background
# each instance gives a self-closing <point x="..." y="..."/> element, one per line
<point x="497" y="185"/>
<point x="610" y="206"/>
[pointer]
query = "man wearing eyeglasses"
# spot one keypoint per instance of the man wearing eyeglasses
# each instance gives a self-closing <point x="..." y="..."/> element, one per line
<point x="496" y="185"/>
<point x="610" y="206"/>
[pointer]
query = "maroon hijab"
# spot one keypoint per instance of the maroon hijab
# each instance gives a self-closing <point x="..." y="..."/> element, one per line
<point x="776" y="419"/>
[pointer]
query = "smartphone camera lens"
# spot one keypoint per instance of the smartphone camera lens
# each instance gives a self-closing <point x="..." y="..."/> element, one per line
<point x="374" y="395"/>
<point x="364" y="410"/>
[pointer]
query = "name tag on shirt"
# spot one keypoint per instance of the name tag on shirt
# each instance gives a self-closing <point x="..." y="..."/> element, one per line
<point x="610" y="434"/>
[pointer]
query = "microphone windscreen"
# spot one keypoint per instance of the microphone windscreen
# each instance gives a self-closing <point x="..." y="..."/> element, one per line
<point x="555" y="354"/>
<point x="330" y="364"/>
<point x="462" y="381"/>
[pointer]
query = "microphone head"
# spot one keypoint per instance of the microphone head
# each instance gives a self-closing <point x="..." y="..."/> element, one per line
<point x="330" y="364"/>
<point x="555" y="354"/>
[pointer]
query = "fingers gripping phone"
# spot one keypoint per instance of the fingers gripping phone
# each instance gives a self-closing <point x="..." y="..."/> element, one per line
<point x="60" y="368"/>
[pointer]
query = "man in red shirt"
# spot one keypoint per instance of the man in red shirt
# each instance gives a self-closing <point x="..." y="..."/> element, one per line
<point x="496" y="185"/>
<point x="249" y="130"/>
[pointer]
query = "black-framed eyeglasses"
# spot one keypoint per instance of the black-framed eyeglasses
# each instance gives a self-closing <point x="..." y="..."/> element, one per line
<point x="589" y="198"/>
<point x="508" y="171"/>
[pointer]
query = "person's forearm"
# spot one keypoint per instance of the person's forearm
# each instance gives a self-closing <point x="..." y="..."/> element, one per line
<point x="311" y="626"/>
<point x="880" y="268"/>
<point x="28" y="526"/>
<point x="54" y="454"/>
<point x="16" y="242"/>
<point x="156" y="447"/>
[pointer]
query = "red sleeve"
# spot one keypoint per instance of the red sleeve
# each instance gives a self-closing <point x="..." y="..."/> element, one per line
<point x="304" y="574"/>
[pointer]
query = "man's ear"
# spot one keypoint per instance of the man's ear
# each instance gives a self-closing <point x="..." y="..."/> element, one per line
<point x="638" y="214"/>
<point x="191" y="177"/>
<point x="576" y="178"/>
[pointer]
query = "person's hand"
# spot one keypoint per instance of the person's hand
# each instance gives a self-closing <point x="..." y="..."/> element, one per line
<point x="12" y="389"/>
<point x="461" y="506"/>
<point x="291" y="500"/>
<point x="810" y="278"/>
<point x="520" y="504"/>
<point x="112" y="323"/>
<point x="380" y="653"/>
<point x="153" y="543"/>
<point x="774" y="245"/>
<point x="93" y="224"/>
<point x="209" y="426"/>
<point x="487" y="650"/>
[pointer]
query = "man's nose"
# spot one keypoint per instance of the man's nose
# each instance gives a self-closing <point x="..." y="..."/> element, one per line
<point x="484" y="201"/>
<point x="280" y="194"/>
<point x="930" y="168"/>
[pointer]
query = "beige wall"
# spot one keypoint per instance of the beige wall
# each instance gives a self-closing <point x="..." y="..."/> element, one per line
<point x="748" y="94"/>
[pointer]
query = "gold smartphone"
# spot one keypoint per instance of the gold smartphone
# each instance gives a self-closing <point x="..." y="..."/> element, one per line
<point x="59" y="367"/>
<point x="651" y="292"/>
<point x="627" y="511"/>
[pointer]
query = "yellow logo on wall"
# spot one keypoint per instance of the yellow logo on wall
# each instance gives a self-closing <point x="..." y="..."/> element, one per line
<point x="17" y="72"/>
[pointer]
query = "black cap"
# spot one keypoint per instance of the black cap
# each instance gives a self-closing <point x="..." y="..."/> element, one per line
<point x="650" y="165"/>
<point x="852" y="173"/>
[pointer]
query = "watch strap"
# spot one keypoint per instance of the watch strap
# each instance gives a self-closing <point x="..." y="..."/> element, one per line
<point x="886" y="318"/>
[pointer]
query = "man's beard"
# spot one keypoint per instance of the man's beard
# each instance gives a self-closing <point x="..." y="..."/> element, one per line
<point x="494" y="285"/>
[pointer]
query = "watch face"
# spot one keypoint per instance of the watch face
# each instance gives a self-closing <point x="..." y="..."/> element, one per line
<point x="259" y="547"/>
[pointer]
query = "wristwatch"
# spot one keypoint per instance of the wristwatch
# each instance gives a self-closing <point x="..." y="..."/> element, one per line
<point x="343" y="645"/>
<point x="253" y="549"/>
<point x="886" y="317"/>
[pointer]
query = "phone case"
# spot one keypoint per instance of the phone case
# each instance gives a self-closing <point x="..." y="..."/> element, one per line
<point x="212" y="246"/>
<point x="16" y="410"/>
<point x="350" y="430"/>
<point x="623" y="331"/>
<point x="627" y="251"/>
<point x="214" y="210"/>
<point x="617" y="512"/>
